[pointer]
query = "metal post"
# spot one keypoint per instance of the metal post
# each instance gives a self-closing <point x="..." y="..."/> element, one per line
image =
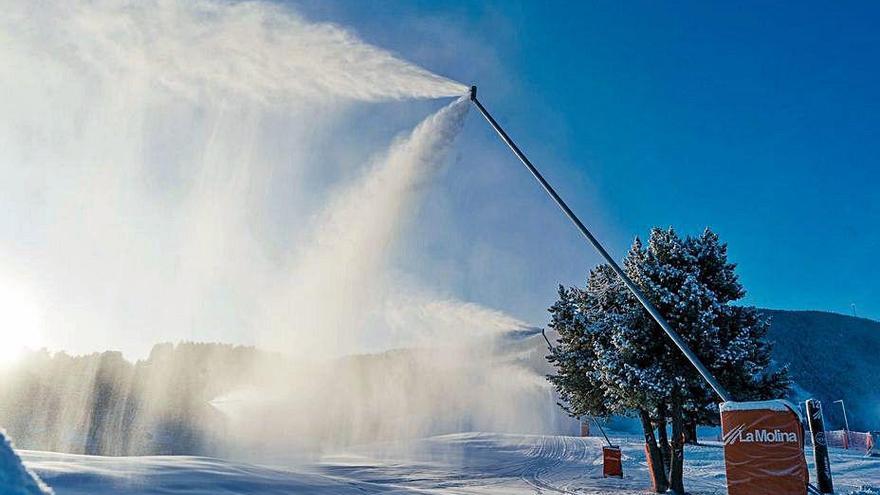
<point x="602" y="430"/>
<point x="845" y="422"/>
<point x="820" y="446"/>
<point x="679" y="342"/>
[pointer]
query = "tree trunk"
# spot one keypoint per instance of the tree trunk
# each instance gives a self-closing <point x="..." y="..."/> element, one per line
<point x="655" y="459"/>
<point x="665" y="450"/>
<point x="690" y="433"/>
<point x="676" y="469"/>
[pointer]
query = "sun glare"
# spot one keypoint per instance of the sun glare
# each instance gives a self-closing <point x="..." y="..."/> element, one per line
<point x="21" y="321"/>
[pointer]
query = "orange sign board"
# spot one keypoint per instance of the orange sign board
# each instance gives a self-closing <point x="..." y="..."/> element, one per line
<point x="763" y="448"/>
<point x="585" y="429"/>
<point x="611" y="462"/>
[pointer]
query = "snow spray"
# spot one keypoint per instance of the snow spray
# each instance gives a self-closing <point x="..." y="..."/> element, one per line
<point x="160" y="159"/>
<point x="174" y="171"/>
<point x="215" y="48"/>
<point x="339" y="284"/>
<point x="165" y="175"/>
<point x="338" y="279"/>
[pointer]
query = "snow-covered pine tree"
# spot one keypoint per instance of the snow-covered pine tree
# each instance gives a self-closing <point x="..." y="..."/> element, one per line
<point x="744" y="365"/>
<point x="611" y="339"/>
<point x="578" y="386"/>
<point x="602" y="357"/>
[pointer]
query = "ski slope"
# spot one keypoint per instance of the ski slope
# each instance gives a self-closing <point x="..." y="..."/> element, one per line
<point x="467" y="463"/>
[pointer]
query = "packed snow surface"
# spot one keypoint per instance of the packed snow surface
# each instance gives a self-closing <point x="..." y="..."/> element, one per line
<point x="15" y="479"/>
<point x="466" y="463"/>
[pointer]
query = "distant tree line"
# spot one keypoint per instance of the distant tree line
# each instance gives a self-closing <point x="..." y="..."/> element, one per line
<point x="223" y="400"/>
<point x="103" y="404"/>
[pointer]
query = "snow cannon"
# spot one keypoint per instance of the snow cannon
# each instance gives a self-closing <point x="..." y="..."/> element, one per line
<point x="764" y="448"/>
<point x="764" y="441"/>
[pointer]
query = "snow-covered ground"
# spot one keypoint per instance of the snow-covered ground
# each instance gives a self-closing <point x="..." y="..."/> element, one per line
<point x="15" y="478"/>
<point x="467" y="463"/>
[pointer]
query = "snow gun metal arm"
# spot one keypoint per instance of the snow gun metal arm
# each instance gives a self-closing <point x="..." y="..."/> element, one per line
<point x="679" y="342"/>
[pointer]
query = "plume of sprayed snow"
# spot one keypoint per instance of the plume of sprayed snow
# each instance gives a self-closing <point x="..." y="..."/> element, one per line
<point x="338" y="282"/>
<point x="15" y="478"/>
<point x="464" y="384"/>
<point x="422" y="319"/>
<point x="143" y="168"/>
<point x="144" y="145"/>
<point x="219" y="48"/>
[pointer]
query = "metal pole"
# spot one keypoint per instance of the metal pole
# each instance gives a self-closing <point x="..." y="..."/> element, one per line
<point x="721" y="391"/>
<point x="845" y="421"/>
<point x="601" y="429"/>
<point x="820" y="446"/>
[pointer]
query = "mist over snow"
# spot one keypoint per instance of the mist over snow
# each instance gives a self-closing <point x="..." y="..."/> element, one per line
<point x="339" y="278"/>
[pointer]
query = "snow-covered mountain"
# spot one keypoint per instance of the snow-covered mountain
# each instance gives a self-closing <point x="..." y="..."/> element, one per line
<point x="831" y="357"/>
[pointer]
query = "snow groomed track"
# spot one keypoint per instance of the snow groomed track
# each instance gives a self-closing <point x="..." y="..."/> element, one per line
<point x="468" y="463"/>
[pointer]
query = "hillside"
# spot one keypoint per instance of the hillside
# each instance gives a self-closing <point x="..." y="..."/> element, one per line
<point x="831" y="357"/>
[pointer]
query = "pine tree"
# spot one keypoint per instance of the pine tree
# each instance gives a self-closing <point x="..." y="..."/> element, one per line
<point x="602" y="357"/>
<point x="579" y="390"/>
<point x="614" y="358"/>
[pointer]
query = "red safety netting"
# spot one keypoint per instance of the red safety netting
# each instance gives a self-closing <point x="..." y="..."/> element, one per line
<point x="855" y="440"/>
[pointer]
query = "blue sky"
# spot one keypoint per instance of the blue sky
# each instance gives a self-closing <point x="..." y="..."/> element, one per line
<point x="757" y="120"/>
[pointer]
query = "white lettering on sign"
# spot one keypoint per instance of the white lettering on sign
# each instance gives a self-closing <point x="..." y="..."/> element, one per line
<point x="739" y="434"/>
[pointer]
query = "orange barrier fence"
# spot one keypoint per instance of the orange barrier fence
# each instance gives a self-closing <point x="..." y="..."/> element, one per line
<point x="855" y="440"/>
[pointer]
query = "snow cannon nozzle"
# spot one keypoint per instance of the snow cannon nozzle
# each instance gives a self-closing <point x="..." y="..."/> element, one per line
<point x="473" y="93"/>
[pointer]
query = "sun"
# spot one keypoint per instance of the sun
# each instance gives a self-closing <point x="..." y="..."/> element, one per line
<point x="21" y="321"/>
